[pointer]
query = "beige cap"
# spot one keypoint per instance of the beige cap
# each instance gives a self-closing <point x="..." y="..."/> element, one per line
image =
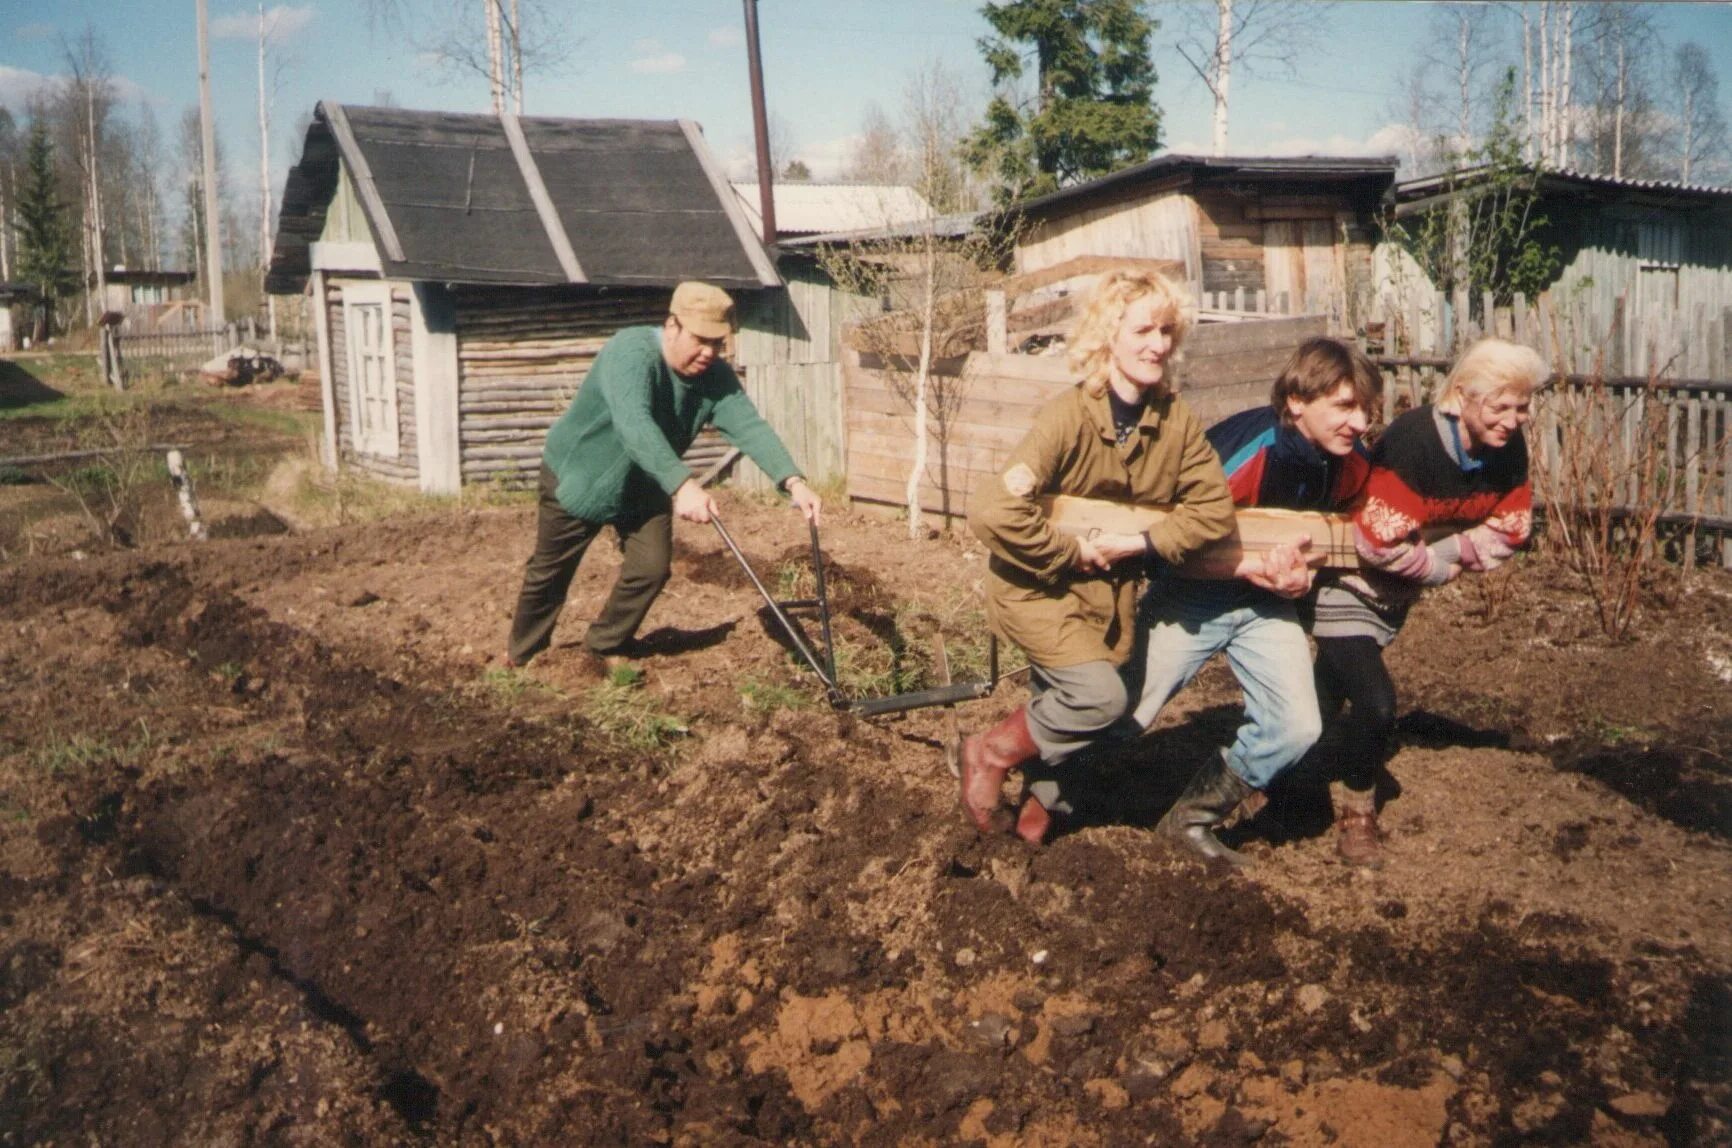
<point x="705" y="310"/>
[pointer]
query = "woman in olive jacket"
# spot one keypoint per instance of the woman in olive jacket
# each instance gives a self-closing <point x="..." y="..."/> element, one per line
<point x="1122" y="435"/>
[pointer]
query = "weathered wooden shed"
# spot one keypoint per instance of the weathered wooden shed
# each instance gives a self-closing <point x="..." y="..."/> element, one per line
<point x="1644" y="277"/>
<point x="152" y="300"/>
<point x="1297" y="229"/>
<point x="465" y="270"/>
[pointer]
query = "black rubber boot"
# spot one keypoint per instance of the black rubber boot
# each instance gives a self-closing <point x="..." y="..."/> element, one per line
<point x="1210" y="798"/>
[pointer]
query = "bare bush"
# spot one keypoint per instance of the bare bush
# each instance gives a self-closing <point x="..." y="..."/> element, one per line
<point x="111" y="491"/>
<point x="1602" y="472"/>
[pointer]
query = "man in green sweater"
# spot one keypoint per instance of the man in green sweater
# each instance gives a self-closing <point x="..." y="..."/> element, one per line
<point x="613" y="459"/>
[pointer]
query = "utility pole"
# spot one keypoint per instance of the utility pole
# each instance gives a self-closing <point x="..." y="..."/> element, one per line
<point x="760" y="126"/>
<point x="213" y="250"/>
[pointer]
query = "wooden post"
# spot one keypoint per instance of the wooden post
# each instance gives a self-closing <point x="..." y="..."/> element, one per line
<point x="183" y="490"/>
<point x="997" y="323"/>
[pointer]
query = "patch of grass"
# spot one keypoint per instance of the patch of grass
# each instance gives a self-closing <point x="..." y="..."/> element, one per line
<point x="291" y="425"/>
<point x="763" y="697"/>
<point x="508" y="685"/>
<point x="316" y="496"/>
<point x="1612" y="733"/>
<point x="627" y="716"/>
<point x="59" y="754"/>
<point x="796" y="580"/>
<point x="876" y="670"/>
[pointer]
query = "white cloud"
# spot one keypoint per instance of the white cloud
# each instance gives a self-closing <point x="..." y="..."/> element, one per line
<point x="281" y="22"/>
<point x="1383" y="141"/>
<point x="659" y="64"/>
<point x="18" y="85"/>
<point x="726" y="37"/>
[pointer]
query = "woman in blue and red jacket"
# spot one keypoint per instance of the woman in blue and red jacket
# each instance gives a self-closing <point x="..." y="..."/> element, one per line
<point x="1459" y="465"/>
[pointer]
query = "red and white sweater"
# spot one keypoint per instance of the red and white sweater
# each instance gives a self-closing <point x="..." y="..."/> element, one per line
<point x="1422" y="479"/>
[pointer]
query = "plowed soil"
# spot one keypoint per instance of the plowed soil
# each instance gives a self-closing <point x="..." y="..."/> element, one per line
<point x="282" y="863"/>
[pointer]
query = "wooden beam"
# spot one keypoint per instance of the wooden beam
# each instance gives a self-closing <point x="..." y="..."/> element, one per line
<point x="754" y="246"/>
<point x="338" y="120"/>
<point x="1087" y="265"/>
<point x="544" y="208"/>
<point x="1258" y="529"/>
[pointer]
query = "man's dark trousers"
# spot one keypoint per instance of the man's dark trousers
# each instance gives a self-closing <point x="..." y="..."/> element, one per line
<point x="646" y="546"/>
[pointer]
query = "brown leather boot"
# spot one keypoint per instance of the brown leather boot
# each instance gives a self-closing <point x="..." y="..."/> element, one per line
<point x="986" y="759"/>
<point x="1034" y="821"/>
<point x="1358" y="841"/>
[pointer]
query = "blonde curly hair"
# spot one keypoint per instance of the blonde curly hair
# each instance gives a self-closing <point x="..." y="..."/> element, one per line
<point x="1090" y="355"/>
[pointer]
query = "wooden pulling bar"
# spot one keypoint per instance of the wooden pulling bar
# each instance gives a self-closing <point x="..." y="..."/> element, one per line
<point x="1258" y="529"/>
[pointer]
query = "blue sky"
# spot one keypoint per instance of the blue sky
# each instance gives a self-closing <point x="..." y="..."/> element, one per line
<point x="825" y="61"/>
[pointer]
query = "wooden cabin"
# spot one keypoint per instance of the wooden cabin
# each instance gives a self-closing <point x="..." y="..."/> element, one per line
<point x="465" y="270"/>
<point x="1296" y="231"/>
<point x="152" y="302"/>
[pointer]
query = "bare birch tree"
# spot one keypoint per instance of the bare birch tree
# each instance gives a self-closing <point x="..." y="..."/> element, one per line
<point x="499" y="41"/>
<point x="877" y="157"/>
<point x="1217" y="37"/>
<point x="936" y="113"/>
<point x="88" y="97"/>
<point x="1701" y="127"/>
<point x="1622" y="42"/>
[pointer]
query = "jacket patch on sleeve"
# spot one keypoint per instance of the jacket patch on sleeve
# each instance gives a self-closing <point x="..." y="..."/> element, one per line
<point x="1019" y="480"/>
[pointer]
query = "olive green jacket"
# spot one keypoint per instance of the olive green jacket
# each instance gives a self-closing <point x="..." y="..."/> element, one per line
<point x="1035" y="596"/>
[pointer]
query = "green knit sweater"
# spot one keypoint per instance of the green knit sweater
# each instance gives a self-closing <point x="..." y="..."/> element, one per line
<point x="616" y="450"/>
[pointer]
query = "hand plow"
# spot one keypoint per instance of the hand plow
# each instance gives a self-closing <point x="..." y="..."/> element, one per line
<point x="825" y="666"/>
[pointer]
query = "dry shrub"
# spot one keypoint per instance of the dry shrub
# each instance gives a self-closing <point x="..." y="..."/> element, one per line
<point x="1603" y="472"/>
<point x="111" y="490"/>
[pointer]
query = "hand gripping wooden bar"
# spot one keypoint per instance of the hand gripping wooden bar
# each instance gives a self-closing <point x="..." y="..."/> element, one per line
<point x="1258" y="529"/>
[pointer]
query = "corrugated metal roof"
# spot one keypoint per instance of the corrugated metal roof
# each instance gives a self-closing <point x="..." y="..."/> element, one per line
<point x="942" y="226"/>
<point x="824" y="208"/>
<point x="523" y="201"/>
<point x="1439" y="184"/>
<point x="1301" y="168"/>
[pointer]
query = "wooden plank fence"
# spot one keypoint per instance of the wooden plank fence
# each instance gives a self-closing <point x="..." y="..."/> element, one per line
<point x="1579" y="335"/>
<point x="980" y="405"/>
<point x="189" y="347"/>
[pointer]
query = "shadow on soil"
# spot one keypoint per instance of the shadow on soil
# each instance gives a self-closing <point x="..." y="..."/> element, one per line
<point x="19" y="388"/>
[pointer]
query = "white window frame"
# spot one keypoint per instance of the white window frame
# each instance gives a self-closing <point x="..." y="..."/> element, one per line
<point x="383" y="438"/>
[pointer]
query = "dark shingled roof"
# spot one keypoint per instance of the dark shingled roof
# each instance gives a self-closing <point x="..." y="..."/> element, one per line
<point x="1376" y="172"/>
<point x="527" y="202"/>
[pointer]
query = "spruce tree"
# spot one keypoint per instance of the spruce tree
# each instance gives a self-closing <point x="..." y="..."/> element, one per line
<point x="45" y="254"/>
<point x="1092" y="109"/>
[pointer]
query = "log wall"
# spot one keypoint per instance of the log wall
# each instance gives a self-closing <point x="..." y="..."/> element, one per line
<point x="1228" y="367"/>
<point x="522" y="354"/>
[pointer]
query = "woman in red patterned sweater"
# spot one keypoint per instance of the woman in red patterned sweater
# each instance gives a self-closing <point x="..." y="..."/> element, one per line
<point x="1455" y="472"/>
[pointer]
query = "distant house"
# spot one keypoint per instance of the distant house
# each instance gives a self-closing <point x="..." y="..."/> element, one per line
<point x="17" y="305"/>
<point x="1645" y="270"/>
<point x="1295" y="231"/>
<point x="465" y="270"/>
<point x="152" y="300"/>
<point x="807" y="209"/>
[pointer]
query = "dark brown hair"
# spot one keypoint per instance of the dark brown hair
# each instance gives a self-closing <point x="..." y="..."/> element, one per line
<point x="1320" y="365"/>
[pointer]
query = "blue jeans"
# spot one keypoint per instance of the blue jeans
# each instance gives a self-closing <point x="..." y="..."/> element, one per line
<point x="1187" y="621"/>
